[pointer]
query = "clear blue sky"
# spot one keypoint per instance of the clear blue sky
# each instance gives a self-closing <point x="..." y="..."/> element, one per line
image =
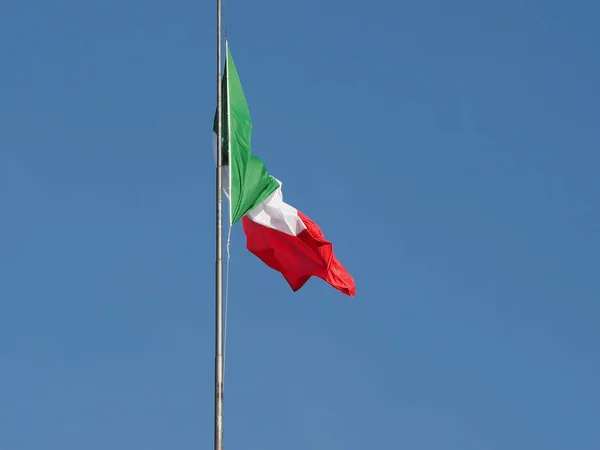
<point x="451" y="152"/>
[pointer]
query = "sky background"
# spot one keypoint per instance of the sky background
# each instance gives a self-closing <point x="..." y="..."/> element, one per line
<point x="449" y="150"/>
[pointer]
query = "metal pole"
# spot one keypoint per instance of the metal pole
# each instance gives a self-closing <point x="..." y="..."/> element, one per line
<point x="218" y="439"/>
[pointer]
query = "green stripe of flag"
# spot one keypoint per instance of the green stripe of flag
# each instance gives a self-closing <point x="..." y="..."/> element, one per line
<point x="250" y="181"/>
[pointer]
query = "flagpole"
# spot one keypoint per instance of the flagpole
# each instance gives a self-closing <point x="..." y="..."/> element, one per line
<point x="218" y="437"/>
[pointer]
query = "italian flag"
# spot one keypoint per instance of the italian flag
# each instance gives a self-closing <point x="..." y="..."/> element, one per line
<point x="277" y="233"/>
